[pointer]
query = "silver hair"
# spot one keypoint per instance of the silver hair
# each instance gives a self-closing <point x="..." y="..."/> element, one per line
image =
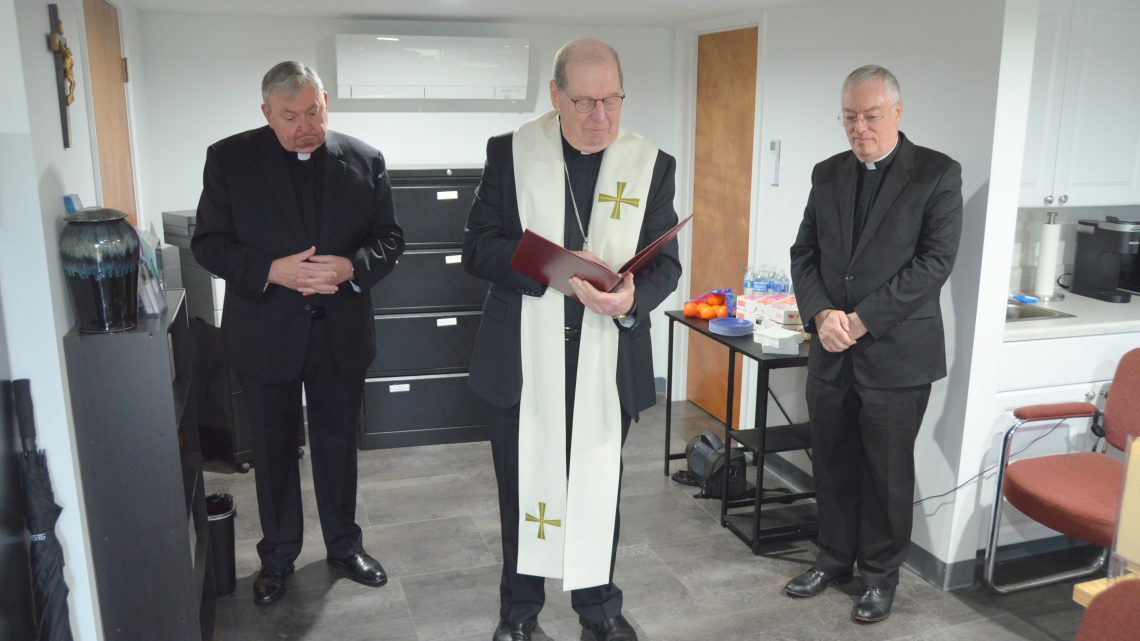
<point x="289" y="77"/>
<point x="583" y="51"/>
<point x="868" y="73"/>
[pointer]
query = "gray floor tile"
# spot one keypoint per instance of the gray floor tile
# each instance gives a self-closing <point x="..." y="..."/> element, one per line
<point x="452" y="604"/>
<point x="663" y="516"/>
<point x="336" y="613"/>
<point x="1056" y="622"/>
<point x="433" y="497"/>
<point x="976" y="602"/>
<point x="491" y="530"/>
<point x="720" y="563"/>
<point x="834" y="622"/>
<point x="424" y="547"/>
<point x="1003" y="628"/>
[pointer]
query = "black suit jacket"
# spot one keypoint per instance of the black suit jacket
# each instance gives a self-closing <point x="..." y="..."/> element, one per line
<point x="493" y="233"/>
<point x="248" y="216"/>
<point x="892" y="279"/>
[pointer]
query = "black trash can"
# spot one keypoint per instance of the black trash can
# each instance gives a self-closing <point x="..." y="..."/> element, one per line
<point x="221" y="510"/>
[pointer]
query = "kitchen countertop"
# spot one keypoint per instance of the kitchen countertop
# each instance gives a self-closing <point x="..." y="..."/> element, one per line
<point x="1091" y="318"/>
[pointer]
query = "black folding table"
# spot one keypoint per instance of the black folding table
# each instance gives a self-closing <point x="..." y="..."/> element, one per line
<point x="798" y="520"/>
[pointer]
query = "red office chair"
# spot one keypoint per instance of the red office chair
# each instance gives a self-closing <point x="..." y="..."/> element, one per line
<point x="1114" y="615"/>
<point x="1075" y="494"/>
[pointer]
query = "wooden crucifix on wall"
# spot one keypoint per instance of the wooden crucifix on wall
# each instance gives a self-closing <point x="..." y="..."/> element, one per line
<point x="64" y="71"/>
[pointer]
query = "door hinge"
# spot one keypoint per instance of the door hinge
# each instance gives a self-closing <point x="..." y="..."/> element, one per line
<point x="126" y="71"/>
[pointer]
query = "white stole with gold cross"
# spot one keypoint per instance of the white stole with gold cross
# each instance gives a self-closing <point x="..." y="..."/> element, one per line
<point x="566" y="522"/>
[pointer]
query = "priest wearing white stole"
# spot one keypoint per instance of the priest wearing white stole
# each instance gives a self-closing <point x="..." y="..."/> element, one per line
<point x="564" y="378"/>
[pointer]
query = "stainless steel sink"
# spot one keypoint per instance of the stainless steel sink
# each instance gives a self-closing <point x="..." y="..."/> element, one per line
<point x="1015" y="311"/>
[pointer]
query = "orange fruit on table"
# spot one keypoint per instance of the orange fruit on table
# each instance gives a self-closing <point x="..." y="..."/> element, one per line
<point x="707" y="311"/>
<point x="721" y="311"/>
<point x="716" y="299"/>
<point x="691" y="310"/>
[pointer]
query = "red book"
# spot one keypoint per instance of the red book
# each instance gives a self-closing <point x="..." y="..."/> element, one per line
<point x="553" y="265"/>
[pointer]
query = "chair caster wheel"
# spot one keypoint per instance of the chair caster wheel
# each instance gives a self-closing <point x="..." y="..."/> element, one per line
<point x="245" y="467"/>
<point x="300" y="452"/>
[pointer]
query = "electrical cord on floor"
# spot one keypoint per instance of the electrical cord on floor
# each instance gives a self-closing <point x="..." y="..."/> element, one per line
<point x="992" y="467"/>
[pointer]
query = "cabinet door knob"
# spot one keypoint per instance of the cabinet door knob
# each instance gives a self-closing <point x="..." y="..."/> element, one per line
<point x="1063" y="199"/>
<point x="1048" y="200"/>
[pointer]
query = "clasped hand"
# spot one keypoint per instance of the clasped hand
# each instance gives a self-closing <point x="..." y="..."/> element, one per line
<point x="838" y="331"/>
<point x="310" y="274"/>
<point x="615" y="303"/>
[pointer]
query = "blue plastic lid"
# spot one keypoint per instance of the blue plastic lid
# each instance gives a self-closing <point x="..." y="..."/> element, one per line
<point x="730" y="323"/>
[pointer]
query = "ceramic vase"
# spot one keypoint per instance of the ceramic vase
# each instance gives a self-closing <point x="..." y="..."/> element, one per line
<point x="100" y="252"/>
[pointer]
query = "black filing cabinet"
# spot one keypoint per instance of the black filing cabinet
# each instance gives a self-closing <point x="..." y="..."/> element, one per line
<point x="427" y="314"/>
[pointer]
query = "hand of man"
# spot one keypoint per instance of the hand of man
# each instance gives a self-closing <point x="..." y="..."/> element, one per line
<point x="287" y="271"/>
<point x="323" y="274"/>
<point x="616" y="303"/>
<point x="833" y="328"/>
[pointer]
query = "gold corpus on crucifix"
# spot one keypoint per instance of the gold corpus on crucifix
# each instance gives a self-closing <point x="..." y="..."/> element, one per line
<point x="542" y="522"/>
<point x="64" y="70"/>
<point x="618" y="201"/>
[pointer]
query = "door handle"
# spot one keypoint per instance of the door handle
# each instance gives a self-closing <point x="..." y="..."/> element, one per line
<point x="1063" y="199"/>
<point x="1048" y="200"/>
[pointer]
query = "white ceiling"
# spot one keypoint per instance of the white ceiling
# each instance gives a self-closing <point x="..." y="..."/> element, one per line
<point x="660" y="13"/>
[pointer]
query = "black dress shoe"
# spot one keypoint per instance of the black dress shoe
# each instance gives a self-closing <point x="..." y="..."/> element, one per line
<point x="615" y="629"/>
<point x="514" y="631"/>
<point x="362" y="568"/>
<point x="874" y="605"/>
<point x="813" y="582"/>
<point x="270" y="584"/>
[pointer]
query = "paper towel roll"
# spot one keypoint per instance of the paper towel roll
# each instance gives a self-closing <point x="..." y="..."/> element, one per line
<point x="1046" y="282"/>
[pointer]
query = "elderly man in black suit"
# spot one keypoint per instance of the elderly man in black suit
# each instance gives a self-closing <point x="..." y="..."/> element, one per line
<point x="555" y="174"/>
<point x="877" y="242"/>
<point x="299" y="222"/>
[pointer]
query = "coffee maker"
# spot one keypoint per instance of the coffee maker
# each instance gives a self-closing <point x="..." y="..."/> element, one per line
<point x="1107" y="266"/>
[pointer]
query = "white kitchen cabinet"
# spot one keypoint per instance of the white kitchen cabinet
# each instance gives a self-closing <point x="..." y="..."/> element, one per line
<point x="1082" y="143"/>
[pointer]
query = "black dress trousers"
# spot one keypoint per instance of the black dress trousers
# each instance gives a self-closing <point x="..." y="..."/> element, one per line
<point x="274" y="415"/>
<point x="522" y="596"/>
<point x="863" y="463"/>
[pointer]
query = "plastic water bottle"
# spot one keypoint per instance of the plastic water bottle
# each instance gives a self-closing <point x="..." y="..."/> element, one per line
<point x="762" y="282"/>
<point x="781" y="283"/>
<point x="749" y="274"/>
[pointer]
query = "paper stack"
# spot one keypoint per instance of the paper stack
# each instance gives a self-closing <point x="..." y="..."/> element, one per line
<point x="777" y="340"/>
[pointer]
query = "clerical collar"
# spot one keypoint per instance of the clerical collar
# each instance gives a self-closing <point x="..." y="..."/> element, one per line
<point x="875" y="165"/>
<point x="568" y="149"/>
<point x="301" y="156"/>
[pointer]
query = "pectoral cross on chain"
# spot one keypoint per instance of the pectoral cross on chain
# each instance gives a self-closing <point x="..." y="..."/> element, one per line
<point x="618" y="201"/>
<point x="542" y="522"/>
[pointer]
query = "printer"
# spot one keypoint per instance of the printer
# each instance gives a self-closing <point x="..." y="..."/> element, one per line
<point x="204" y="291"/>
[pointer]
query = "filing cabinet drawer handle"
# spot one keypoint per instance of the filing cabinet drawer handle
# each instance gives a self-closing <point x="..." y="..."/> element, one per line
<point x="445" y="322"/>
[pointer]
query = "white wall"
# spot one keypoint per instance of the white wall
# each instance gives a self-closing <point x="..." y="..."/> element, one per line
<point x="35" y="172"/>
<point x="204" y="77"/>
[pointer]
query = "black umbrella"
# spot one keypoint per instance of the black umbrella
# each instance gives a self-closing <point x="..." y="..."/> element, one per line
<point x="40" y="514"/>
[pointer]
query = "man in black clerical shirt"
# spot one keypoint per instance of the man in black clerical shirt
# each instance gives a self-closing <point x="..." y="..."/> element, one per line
<point x="584" y="139"/>
<point x="299" y="222"/>
<point x="877" y="242"/>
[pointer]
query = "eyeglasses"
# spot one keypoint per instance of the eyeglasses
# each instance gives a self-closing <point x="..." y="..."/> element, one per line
<point x="851" y="121"/>
<point x="586" y="105"/>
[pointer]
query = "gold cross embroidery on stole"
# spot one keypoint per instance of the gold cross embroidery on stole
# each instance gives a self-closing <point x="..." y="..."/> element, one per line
<point x="618" y="201"/>
<point x="542" y="522"/>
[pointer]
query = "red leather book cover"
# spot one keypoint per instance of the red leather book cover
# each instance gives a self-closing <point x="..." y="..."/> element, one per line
<point x="554" y="265"/>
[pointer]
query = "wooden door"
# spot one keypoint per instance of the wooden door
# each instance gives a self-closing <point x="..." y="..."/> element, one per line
<point x="722" y="196"/>
<point x="109" y="100"/>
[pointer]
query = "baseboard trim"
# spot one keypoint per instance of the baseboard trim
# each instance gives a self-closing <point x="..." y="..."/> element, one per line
<point x="960" y="574"/>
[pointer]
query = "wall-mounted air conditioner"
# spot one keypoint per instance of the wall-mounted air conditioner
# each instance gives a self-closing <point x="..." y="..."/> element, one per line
<point x="431" y="67"/>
